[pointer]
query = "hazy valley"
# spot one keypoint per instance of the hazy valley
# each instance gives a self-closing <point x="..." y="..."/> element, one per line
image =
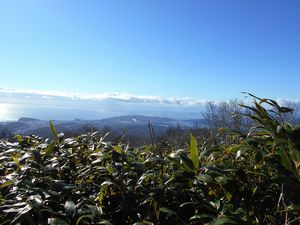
<point x="136" y="125"/>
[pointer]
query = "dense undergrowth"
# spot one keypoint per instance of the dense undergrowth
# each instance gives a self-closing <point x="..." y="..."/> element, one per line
<point x="249" y="179"/>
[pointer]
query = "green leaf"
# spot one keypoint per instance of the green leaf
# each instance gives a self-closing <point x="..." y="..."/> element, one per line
<point x="224" y="181"/>
<point x="54" y="131"/>
<point x="272" y="219"/>
<point x="107" y="183"/>
<point x="206" y="178"/>
<point x="19" y="138"/>
<point x="285" y="161"/>
<point x="228" y="195"/>
<point x="155" y="159"/>
<point x="167" y="211"/>
<point x="295" y="155"/>
<point x="215" y="169"/>
<point x="294" y="209"/>
<point x="194" y="154"/>
<point x="222" y="220"/>
<point x="119" y="149"/>
<point x="12" y="210"/>
<point x="186" y="163"/>
<point x="201" y="217"/>
<point x="59" y="221"/>
<point x="16" y="159"/>
<point x="24" y="210"/>
<point x="6" y="184"/>
<point x="49" y="149"/>
<point x="70" y="209"/>
<point x="82" y="218"/>
<point x="95" y="210"/>
<point x="188" y="204"/>
<point x="105" y="222"/>
<point x="144" y="223"/>
<point x="27" y="155"/>
<point x="285" y="110"/>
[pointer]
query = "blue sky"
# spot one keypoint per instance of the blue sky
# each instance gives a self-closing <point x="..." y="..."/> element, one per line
<point x="186" y="49"/>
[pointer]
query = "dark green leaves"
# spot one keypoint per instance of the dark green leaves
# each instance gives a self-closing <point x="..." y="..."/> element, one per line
<point x="21" y="214"/>
<point x="286" y="160"/>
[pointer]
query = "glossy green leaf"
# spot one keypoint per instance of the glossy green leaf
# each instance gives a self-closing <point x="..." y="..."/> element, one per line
<point x="295" y="154"/>
<point x="81" y="219"/>
<point x="23" y="211"/>
<point x="206" y="178"/>
<point x="222" y="221"/>
<point x="167" y="211"/>
<point x="105" y="222"/>
<point x="70" y="209"/>
<point x="202" y="216"/>
<point x="186" y="163"/>
<point x="194" y="154"/>
<point x="54" y="131"/>
<point x="285" y="160"/>
<point x="6" y="184"/>
<point x="49" y="149"/>
<point x="295" y="209"/>
<point x="119" y="149"/>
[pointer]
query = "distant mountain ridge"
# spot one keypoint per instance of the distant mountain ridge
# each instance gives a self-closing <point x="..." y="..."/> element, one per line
<point x="27" y="119"/>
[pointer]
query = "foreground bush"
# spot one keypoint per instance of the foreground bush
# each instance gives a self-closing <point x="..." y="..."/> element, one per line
<point x="86" y="180"/>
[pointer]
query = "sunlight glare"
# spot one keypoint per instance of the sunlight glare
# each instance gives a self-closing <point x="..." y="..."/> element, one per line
<point x="6" y="112"/>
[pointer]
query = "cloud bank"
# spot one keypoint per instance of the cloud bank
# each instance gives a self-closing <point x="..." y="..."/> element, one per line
<point x="121" y="97"/>
<point x="43" y="104"/>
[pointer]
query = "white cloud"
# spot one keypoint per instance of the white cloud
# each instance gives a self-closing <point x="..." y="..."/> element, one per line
<point x="123" y="97"/>
<point x="293" y="103"/>
<point x="44" y="104"/>
<point x="118" y="97"/>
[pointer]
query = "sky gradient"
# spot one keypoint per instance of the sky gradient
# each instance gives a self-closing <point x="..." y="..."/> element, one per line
<point x="187" y="49"/>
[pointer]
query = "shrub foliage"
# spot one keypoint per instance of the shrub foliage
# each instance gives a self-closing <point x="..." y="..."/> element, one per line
<point x="252" y="179"/>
